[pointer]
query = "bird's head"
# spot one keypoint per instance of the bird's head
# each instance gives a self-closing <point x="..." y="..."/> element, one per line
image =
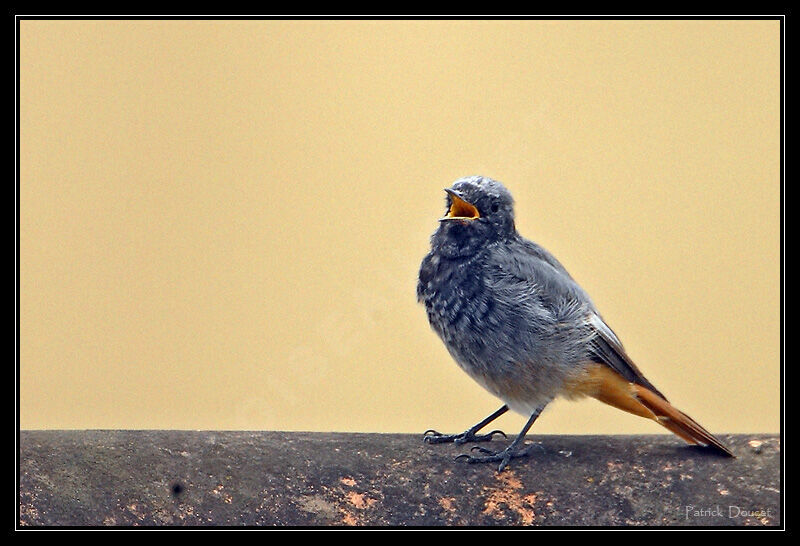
<point x="479" y="211"/>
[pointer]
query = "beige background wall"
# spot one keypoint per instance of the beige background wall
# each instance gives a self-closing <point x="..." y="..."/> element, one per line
<point x="221" y="222"/>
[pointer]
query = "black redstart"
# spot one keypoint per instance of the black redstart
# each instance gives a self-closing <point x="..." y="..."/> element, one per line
<point x="518" y="324"/>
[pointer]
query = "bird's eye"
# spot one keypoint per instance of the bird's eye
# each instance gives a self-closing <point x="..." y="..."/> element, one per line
<point x="495" y="207"/>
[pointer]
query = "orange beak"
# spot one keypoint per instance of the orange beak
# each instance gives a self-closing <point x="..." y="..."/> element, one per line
<point x="460" y="209"/>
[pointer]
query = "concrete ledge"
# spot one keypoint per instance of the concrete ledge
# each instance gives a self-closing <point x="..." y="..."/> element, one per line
<point x="172" y="478"/>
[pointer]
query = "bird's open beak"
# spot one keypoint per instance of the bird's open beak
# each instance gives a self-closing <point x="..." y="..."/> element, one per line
<point x="460" y="209"/>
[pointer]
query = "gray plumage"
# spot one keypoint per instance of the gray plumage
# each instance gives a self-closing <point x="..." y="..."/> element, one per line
<point x="508" y="312"/>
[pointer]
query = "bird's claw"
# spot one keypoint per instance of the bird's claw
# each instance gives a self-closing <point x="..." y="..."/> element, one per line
<point x="488" y="436"/>
<point x="431" y="436"/>
<point x="504" y="456"/>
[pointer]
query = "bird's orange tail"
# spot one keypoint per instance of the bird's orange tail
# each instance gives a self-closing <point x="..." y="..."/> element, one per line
<point x="606" y="385"/>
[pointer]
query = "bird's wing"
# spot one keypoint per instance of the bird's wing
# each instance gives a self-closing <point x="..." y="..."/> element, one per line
<point x="607" y="349"/>
<point x="534" y="266"/>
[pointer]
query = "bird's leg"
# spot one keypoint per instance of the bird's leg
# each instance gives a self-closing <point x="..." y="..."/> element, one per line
<point x="515" y="450"/>
<point x="433" y="437"/>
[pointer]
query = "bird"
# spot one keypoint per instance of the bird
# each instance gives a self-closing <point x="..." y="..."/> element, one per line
<point x="516" y="322"/>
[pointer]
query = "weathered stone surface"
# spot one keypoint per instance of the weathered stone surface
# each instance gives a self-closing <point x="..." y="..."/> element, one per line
<point x="168" y="478"/>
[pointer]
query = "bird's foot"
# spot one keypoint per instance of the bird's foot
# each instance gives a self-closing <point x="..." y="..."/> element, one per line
<point x="503" y="457"/>
<point x="431" y="436"/>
